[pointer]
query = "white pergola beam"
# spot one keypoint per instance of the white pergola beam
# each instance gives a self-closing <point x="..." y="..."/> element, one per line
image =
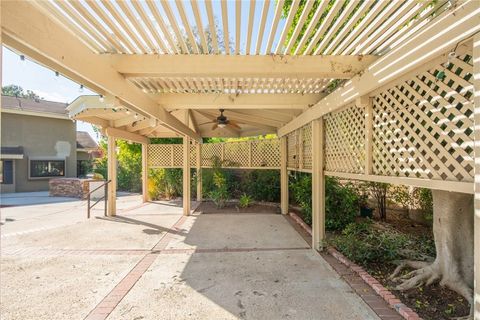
<point x="439" y="37"/>
<point x="233" y="66"/>
<point x="125" y="135"/>
<point x="172" y="101"/>
<point x="46" y="41"/>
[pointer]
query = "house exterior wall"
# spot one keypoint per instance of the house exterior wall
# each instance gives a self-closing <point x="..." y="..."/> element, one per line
<point x="41" y="137"/>
<point x="82" y="155"/>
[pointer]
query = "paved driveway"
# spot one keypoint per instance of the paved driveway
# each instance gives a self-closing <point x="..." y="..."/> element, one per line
<point x="152" y="263"/>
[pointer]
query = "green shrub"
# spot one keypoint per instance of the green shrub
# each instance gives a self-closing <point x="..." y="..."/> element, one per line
<point x="341" y="204"/>
<point x="165" y="183"/>
<point x="219" y="194"/>
<point x="208" y="177"/>
<point x="262" y="185"/>
<point x="129" y="170"/>
<point x="364" y="244"/>
<point x="301" y="190"/>
<point x="245" y="201"/>
<point x="341" y="201"/>
<point x="423" y="199"/>
<point x="219" y="197"/>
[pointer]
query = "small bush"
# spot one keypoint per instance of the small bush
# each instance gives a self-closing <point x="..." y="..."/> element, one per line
<point x="263" y="185"/>
<point x="219" y="194"/>
<point x="245" y="201"/>
<point x="363" y="244"/>
<point x="165" y="183"/>
<point x="219" y="197"/>
<point x="341" y="200"/>
<point x="424" y="200"/>
<point x="301" y="190"/>
<point x="341" y="204"/>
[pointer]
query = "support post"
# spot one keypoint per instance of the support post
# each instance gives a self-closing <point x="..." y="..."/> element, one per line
<point x="199" y="172"/>
<point x="186" y="171"/>
<point x="476" y="224"/>
<point x="366" y="103"/>
<point x="112" y="176"/>
<point x="145" y="197"/>
<point x="318" y="186"/>
<point x="283" y="175"/>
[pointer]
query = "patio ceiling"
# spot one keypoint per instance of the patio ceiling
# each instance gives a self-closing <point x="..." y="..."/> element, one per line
<point x="168" y="66"/>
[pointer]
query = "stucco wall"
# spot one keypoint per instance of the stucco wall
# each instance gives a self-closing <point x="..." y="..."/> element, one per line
<point x="81" y="155"/>
<point x="40" y="137"/>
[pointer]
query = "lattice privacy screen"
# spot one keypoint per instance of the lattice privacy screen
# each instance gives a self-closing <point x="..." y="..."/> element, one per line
<point x="345" y="140"/>
<point x="299" y="148"/>
<point x="423" y="127"/>
<point x="253" y="154"/>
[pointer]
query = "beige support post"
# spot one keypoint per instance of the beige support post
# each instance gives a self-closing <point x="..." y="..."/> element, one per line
<point x="318" y="186"/>
<point x="283" y="175"/>
<point x="476" y="225"/>
<point x="199" y="172"/>
<point x="145" y="197"/>
<point x="112" y="176"/>
<point x="186" y="171"/>
<point x="366" y="103"/>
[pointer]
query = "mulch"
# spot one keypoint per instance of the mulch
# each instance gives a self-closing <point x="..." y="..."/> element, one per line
<point x="433" y="302"/>
<point x="233" y="208"/>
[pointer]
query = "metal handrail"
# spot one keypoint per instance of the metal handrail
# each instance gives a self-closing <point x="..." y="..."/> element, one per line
<point x="89" y="207"/>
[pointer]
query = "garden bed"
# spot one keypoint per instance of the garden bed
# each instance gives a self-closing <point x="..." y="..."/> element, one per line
<point x="432" y="302"/>
<point x="208" y="207"/>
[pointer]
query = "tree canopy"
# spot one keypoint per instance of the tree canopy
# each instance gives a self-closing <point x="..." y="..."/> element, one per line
<point x="17" y="91"/>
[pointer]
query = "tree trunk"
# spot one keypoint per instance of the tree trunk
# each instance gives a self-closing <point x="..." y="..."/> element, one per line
<point x="453" y="234"/>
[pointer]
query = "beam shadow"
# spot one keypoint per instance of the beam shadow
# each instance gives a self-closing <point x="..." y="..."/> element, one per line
<point x="153" y="228"/>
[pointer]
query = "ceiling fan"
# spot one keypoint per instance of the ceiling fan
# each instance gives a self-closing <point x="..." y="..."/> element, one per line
<point x="222" y="121"/>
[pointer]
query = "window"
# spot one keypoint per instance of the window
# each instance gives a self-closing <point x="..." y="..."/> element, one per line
<point x="6" y="171"/>
<point x="47" y="168"/>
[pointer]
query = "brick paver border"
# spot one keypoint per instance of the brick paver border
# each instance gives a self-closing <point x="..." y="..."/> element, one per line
<point x="381" y="300"/>
<point x="110" y="302"/>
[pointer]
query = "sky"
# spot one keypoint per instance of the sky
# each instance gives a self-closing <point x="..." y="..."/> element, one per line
<point x="32" y="76"/>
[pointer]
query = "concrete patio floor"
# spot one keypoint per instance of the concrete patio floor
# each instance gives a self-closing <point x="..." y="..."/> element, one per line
<point x="149" y="262"/>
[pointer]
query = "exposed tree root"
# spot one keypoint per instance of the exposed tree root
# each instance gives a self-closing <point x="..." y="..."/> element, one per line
<point x="426" y="273"/>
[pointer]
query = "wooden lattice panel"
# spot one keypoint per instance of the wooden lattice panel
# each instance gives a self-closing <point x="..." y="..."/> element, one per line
<point x="193" y="155"/>
<point x="265" y="153"/>
<point x="345" y="140"/>
<point x="177" y="158"/>
<point x="292" y="150"/>
<point x="423" y="127"/>
<point x="307" y="146"/>
<point x="209" y="151"/>
<point x="244" y="154"/>
<point x="237" y="154"/>
<point x="160" y="155"/>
